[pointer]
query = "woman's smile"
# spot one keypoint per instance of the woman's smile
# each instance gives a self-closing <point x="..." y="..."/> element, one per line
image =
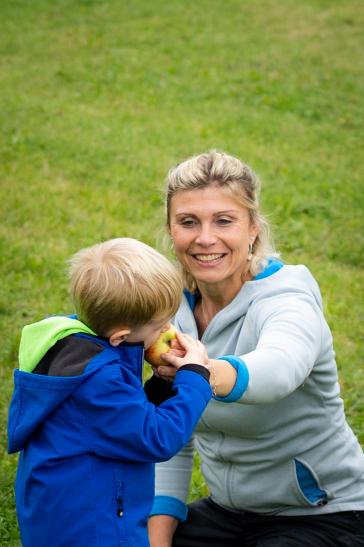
<point x="209" y="259"/>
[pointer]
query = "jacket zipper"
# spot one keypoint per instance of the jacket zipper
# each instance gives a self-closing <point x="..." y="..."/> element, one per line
<point x="119" y="501"/>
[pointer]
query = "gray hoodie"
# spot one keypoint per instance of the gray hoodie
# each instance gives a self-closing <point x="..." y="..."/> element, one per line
<point x="284" y="446"/>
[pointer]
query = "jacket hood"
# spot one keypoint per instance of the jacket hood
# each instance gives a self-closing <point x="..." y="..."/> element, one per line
<point x="35" y="395"/>
<point x="38" y="338"/>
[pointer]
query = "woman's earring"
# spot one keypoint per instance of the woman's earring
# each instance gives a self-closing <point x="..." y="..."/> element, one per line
<point x="250" y="252"/>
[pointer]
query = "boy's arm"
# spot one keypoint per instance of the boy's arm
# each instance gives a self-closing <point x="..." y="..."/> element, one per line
<point x="122" y="424"/>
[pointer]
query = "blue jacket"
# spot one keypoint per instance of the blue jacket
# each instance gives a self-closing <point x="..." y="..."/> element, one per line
<point x="88" y="440"/>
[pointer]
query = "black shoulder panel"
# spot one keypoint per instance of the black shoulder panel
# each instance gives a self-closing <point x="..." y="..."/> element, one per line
<point x="68" y="357"/>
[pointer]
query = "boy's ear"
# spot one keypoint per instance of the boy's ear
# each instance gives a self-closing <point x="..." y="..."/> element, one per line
<point x="118" y="336"/>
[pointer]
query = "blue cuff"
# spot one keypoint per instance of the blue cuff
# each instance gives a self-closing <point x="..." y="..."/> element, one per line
<point x="167" y="505"/>
<point x="242" y="379"/>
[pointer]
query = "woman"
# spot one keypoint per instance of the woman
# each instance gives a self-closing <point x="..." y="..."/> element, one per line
<point x="281" y="463"/>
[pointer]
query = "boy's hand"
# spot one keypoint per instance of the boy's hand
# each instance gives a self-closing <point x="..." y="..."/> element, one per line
<point x="188" y="351"/>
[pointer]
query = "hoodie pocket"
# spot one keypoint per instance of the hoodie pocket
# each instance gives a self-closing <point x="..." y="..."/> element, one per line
<point x="118" y="510"/>
<point x="308" y="484"/>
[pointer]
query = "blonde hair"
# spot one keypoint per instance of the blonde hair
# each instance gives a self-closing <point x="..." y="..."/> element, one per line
<point x="240" y="182"/>
<point x="123" y="282"/>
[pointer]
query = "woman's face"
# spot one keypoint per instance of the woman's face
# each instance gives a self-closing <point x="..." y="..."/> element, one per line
<point x="211" y="234"/>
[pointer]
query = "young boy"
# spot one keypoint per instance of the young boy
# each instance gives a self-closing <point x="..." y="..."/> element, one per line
<point x="87" y="435"/>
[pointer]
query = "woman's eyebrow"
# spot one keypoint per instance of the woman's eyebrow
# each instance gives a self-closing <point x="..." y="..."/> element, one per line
<point x="226" y="212"/>
<point x="185" y="213"/>
<point x="189" y="213"/>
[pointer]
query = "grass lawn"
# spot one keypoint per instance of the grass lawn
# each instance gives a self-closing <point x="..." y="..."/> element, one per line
<point x="101" y="98"/>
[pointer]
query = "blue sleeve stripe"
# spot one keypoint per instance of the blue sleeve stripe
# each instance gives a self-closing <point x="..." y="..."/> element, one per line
<point x="242" y="379"/>
<point x="167" y="505"/>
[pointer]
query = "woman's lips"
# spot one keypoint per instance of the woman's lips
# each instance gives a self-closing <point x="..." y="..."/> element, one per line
<point x="211" y="258"/>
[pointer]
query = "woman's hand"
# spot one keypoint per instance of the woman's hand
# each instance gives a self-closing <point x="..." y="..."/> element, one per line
<point x="185" y="350"/>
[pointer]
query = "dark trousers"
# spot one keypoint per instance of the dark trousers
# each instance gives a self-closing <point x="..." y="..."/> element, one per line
<point x="209" y="525"/>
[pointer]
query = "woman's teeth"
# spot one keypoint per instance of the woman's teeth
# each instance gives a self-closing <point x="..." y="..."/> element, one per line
<point x="208" y="258"/>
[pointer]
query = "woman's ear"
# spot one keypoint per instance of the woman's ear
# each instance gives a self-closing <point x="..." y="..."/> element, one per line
<point x="118" y="336"/>
<point x="253" y="233"/>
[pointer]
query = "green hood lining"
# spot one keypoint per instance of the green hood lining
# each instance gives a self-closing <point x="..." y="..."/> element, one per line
<point x="38" y="338"/>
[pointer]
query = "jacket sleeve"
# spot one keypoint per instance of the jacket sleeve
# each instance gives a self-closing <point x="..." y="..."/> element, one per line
<point x="122" y="424"/>
<point x="289" y="331"/>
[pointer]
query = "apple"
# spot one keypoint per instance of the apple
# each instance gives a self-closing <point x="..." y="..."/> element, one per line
<point x="161" y="345"/>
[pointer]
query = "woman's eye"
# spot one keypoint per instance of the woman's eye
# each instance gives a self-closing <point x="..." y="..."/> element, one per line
<point x="188" y="222"/>
<point x="224" y="221"/>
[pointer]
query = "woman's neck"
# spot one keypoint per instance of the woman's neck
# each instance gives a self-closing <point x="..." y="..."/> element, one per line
<point x="219" y="295"/>
<point x="212" y="300"/>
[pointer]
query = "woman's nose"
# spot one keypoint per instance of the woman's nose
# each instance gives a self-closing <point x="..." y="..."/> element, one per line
<point x="206" y="236"/>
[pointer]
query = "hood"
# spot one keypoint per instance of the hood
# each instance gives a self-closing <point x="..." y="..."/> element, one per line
<point x="35" y="396"/>
<point x="38" y="338"/>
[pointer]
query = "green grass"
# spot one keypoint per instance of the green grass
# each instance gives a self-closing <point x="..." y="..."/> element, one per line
<point x="100" y="98"/>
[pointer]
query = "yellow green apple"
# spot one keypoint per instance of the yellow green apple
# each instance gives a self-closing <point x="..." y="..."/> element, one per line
<point x="161" y="345"/>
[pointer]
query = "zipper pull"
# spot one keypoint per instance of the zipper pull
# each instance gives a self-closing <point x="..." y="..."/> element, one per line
<point x="119" y="510"/>
<point x="119" y="501"/>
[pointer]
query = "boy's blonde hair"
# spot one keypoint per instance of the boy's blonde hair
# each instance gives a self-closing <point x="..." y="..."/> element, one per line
<point x="123" y="282"/>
